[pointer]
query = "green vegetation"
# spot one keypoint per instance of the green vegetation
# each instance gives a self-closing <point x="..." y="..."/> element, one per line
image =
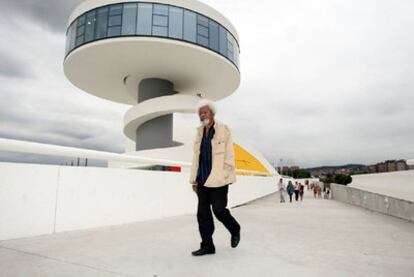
<point x="360" y="171"/>
<point x="337" y="179"/>
<point x="298" y="173"/>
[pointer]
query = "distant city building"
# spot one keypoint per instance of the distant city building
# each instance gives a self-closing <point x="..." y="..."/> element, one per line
<point x="344" y="169"/>
<point x="382" y="167"/>
<point x="350" y="169"/>
<point x="388" y="166"/>
<point x="401" y="165"/>
<point x="372" y="168"/>
<point x="285" y="169"/>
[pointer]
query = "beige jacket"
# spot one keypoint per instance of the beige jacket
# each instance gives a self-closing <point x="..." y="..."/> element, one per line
<point x="223" y="168"/>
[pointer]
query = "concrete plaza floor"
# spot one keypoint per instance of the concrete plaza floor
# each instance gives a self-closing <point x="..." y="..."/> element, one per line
<point x="315" y="237"/>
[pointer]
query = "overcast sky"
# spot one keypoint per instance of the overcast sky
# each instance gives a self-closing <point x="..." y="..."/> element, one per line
<point x="323" y="82"/>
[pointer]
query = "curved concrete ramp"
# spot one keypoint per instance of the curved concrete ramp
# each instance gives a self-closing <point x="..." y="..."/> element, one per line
<point x="315" y="237"/>
<point x="390" y="193"/>
<point x="397" y="184"/>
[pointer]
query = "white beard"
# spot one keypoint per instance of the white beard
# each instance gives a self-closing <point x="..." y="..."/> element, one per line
<point x="205" y="122"/>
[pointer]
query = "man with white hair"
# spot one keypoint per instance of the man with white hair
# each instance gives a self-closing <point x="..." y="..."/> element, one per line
<point x="212" y="171"/>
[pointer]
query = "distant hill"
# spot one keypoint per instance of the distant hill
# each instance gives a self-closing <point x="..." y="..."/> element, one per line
<point x="335" y="167"/>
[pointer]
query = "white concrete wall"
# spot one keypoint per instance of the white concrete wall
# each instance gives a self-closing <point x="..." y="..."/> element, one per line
<point x="42" y="199"/>
<point x="374" y="201"/>
<point x="27" y="199"/>
<point x="396" y="177"/>
<point x="398" y="184"/>
<point x="390" y="193"/>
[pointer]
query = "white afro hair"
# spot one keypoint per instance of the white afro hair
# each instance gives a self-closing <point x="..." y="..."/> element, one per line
<point x="206" y="103"/>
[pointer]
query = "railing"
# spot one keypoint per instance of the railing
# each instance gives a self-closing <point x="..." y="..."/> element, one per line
<point x="27" y="147"/>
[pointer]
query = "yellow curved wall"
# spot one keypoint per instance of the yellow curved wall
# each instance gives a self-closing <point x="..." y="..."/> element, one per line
<point x="246" y="161"/>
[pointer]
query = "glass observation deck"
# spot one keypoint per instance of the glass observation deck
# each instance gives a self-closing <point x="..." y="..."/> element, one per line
<point x="143" y="19"/>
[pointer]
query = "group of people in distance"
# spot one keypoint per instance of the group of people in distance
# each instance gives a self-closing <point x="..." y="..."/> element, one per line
<point x="298" y="189"/>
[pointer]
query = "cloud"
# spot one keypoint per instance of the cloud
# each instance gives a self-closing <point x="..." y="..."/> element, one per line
<point x="52" y="14"/>
<point x="323" y="82"/>
<point x="13" y="67"/>
<point x="46" y="108"/>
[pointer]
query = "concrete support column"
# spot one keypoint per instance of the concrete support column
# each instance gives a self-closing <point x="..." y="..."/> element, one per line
<point x="157" y="132"/>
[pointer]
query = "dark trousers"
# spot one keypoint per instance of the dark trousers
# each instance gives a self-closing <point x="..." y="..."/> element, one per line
<point x="296" y="195"/>
<point x="217" y="198"/>
<point x="290" y="196"/>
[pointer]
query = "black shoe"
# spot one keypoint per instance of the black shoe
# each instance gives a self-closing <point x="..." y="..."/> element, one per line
<point x="235" y="239"/>
<point x="204" y="251"/>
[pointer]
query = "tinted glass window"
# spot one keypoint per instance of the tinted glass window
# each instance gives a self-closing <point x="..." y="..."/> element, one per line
<point x="230" y="47"/>
<point x="236" y="55"/>
<point x="81" y="30"/>
<point x="114" y="31"/>
<point x="144" y="19"/>
<point x="160" y="20"/>
<point x="115" y="9"/>
<point x="214" y="35"/>
<point x="201" y="30"/>
<point x="81" y="20"/>
<point x="90" y="26"/>
<point x="190" y="26"/>
<point x="149" y="19"/>
<point x="223" y="41"/>
<point x="114" y="20"/>
<point x="160" y="9"/>
<point x="159" y="31"/>
<point x="176" y="23"/>
<point x="129" y="19"/>
<point x="202" y="20"/>
<point x="79" y="40"/>
<point x="101" y="21"/>
<point x="202" y="41"/>
<point x="72" y="36"/>
<point x="80" y="26"/>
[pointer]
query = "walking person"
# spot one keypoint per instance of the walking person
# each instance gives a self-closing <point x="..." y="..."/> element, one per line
<point x="290" y="190"/>
<point x="297" y="189"/>
<point x="212" y="171"/>
<point x="315" y="190"/>
<point x="281" y="187"/>
<point x="301" y="191"/>
<point x="327" y="193"/>
<point x="319" y="191"/>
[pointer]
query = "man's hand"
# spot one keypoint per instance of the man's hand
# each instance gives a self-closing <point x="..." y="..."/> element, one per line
<point x="195" y="188"/>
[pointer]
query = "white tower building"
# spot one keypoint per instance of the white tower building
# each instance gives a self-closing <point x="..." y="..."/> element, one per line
<point x="160" y="57"/>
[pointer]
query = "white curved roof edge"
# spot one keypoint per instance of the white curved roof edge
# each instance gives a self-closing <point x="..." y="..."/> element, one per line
<point x="193" y="5"/>
<point x="19" y="146"/>
<point x="186" y="68"/>
<point x="410" y="162"/>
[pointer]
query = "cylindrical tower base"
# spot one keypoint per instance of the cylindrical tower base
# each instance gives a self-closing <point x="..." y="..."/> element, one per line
<point x="157" y="132"/>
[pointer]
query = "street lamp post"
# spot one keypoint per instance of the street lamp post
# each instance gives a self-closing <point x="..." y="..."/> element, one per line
<point x="281" y="168"/>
